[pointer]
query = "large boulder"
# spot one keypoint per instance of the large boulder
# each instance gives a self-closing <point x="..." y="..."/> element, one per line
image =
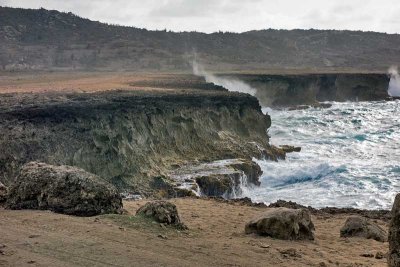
<point x="62" y="189"/>
<point x="283" y="223"/>
<point x="357" y="226"/>
<point x="394" y="234"/>
<point x="162" y="212"/>
<point x="3" y="193"/>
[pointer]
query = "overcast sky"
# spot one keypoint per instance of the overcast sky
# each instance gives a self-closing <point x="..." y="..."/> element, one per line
<point x="232" y="15"/>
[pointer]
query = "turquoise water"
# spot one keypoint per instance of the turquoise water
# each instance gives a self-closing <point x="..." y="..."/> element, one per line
<point x="350" y="156"/>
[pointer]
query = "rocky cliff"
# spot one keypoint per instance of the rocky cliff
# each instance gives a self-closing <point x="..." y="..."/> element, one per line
<point x="130" y="137"/>
<point x="309" y="89"/>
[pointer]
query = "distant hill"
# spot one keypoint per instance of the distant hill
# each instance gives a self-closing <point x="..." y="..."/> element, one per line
<point x="43" y="39"/>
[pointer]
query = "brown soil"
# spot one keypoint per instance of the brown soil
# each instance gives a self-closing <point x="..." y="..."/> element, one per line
<point x="72" y="81"/>
<point x="216" y="238"/>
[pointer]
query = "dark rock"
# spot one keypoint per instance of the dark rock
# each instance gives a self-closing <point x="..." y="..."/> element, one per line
<point x="367" y="255"/>
<point x="222" y="178"/>
<point x="394" y="234"/>
<point x="162" y="212"/>
<point x="287" y="204"/>
<point x="3" y="193"/>
<point x="283" y="223"/>
<point x="290" y="149"/>
<point x="379" y="255"/>
<point x="371" y="214"/>
<point x="251" y="169"/>
<point x="216" y="184"/>
<point x="62" y="189"/>
<point x="356" y="226"/>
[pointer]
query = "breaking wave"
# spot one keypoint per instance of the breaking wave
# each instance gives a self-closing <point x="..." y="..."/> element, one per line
<point x="350" y="156"/>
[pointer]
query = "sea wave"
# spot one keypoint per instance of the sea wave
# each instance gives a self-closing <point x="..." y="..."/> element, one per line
<point x="350" y="156"/>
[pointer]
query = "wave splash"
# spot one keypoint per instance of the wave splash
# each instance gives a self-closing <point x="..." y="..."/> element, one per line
<point x="350" y="156"/>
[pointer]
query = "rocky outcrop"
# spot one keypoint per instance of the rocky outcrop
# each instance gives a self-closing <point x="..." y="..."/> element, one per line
<point x="356" y="226"/>
<point x="130" y="137"/>
<point x="62" y="189"/>
<point x="3" y="193"/>
<point x="216" y="185"/>
<point x="309" y="89"/>
<point x="162" y="212"/>
<point x="283" y="223"/>
<point x="394" y="235"/>
<point x="223" y="178"/>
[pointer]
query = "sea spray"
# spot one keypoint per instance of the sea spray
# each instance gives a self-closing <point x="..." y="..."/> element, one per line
<point x="350" y="156"/>
<point x="394" y="84"/>
<point x="230" y="84"/>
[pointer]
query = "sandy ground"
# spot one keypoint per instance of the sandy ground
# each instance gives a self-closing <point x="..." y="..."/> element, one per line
<point x="72" y="81"/>
<point x="215" y="238"/>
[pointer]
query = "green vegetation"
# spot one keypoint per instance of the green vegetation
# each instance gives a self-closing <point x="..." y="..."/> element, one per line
<point x="42" y="39"/>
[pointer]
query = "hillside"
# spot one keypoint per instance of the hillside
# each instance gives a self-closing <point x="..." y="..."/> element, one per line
<point x="43" y="39"/>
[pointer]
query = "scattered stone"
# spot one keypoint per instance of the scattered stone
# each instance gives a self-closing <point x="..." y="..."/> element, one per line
<point x="367" y="255"/>
<point x="162" y="236"/>
<point x="3" y="193"/>
<point x="62" y="189"/>
<point x="290" y="252"/>
<point x="2" y="249"/>
<point x="162" y="212"/>
<point x="262" y="245"/>
<point x="394" y="234"/>
<point x="322" y="264"/>
<point x="34" y="236"/>
<point x="356" y="226"/>
<point x="380" y="255"/>
<point x="31" y="262"/>
<point x="283" y="223"/>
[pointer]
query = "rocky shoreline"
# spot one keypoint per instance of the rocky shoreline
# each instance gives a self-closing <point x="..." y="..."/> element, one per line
<point x="136" y="139"/>
<point x="81" y="153"/>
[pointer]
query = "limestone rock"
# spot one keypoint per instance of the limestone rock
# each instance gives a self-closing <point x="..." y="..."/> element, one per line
<point x="62" y="189"/>
<point x="216" y="185"/>
<point x="394" y="234"/>
<point x="162" y="212"/>
<point x="356" y="226"/>
<point x="3" y="193"/>
<point x="283" y="223"/>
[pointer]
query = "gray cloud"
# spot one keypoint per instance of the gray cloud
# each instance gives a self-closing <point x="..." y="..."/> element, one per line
<point x="232" y="15"/>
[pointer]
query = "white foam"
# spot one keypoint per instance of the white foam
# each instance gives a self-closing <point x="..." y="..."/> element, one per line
<point x="350" y="156"/>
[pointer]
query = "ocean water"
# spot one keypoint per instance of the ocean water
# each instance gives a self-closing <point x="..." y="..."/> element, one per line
<point x="350" y="156"/>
